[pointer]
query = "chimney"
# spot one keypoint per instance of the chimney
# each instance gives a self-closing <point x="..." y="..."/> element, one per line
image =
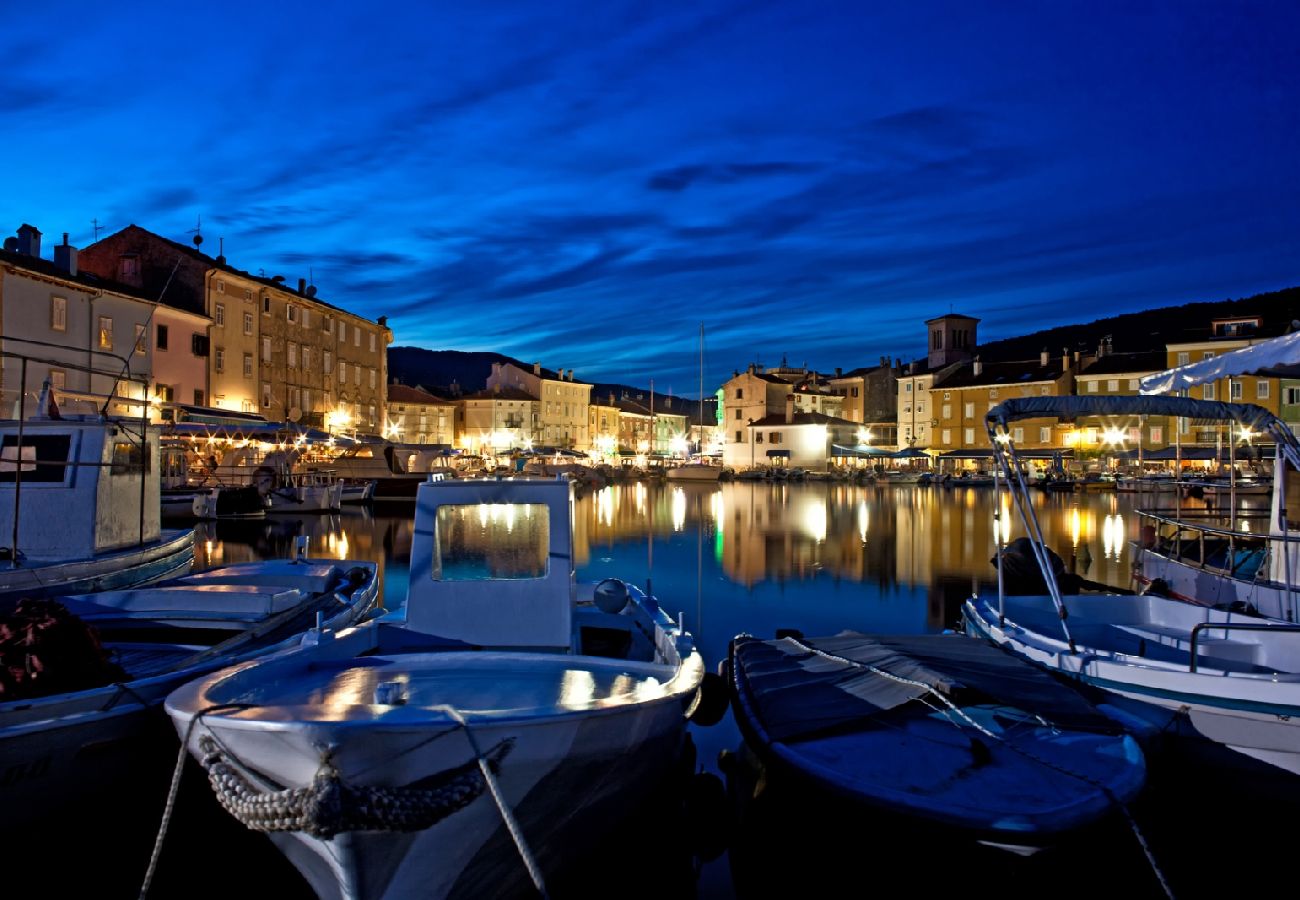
<point x="29" y="240"/>
<point x="302" y="287"/>
<point x="1042" y="359"/>
<point x="11" y="244"/>
<point x="65" y="256"/>
<point x="1065" y="359"/>
<point x="750" y="371"/>
<point x="838" y="371"/>
<point x="789" y="409"/>
<point x="977" y="367"/>
<point x="537" y="368"/>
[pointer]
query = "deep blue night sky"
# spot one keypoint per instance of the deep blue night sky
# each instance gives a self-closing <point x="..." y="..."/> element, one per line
<point x="582" y="184"/>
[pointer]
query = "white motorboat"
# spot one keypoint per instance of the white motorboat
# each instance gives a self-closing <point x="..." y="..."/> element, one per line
<point x="57" y="745"/>
<point x="482" y="733"/>
<point x="80" y="507"/>
<point x="1200" y="663"/>
<point x="695" y="472"/>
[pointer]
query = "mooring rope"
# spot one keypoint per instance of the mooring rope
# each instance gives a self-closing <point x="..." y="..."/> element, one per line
<point x="1123" y="807"/>
<point x="172" y="790"/>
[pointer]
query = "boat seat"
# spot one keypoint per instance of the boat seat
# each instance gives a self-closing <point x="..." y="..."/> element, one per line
<point x="1209" y="647"/>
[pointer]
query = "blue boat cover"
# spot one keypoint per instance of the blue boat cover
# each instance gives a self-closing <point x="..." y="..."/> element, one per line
<point x="798" y="692"/>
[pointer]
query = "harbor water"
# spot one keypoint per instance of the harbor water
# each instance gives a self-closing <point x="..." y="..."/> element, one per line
<point x="731" y="558"/>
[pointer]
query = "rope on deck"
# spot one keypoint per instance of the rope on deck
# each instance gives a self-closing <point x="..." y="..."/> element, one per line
<point x="1123" y="807"/>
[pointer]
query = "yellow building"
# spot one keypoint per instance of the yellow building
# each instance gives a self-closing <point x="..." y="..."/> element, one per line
<point x="562" y="403"/>
<point x="602" y="428"/>
<point x="417" y="417"/>
<point x="1222" y="336"/>
<point x="963" y="396"/>
<point x="1113" y="375"/>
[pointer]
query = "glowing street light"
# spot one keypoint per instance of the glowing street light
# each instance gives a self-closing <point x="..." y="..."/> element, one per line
<point x="864" y="436"/>
<point x="1113" y="436"/>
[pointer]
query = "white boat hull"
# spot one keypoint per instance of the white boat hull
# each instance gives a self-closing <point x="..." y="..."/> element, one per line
<point x="1214" y="587"/>
<point x="1251" y="707"/>
<point x="307" y="498"/>
<point x="170" y="556"/>
<point x="564" y="773"/>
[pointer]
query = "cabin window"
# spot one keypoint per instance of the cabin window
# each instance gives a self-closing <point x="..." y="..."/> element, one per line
<point x="44" y="458"/>
<point x="128" y="458"/>
<point x="474" y="542"/>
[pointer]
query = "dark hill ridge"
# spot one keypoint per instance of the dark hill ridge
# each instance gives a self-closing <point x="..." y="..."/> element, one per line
<point x="1151" y="329"/>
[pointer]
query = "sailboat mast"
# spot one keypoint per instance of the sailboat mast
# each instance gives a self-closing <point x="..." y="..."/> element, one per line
<point x="699" y="448"/>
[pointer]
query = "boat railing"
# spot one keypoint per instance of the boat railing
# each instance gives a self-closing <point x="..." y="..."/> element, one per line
<point x="1210" y="546"/>
<point x="1233" y="626"/>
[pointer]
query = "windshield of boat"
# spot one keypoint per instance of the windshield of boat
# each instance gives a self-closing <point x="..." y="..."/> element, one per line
<point x="481" y="541"/>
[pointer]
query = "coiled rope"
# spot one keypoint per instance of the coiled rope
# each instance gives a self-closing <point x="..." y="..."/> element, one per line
<point x="1123" y="807"/>
<point x="329" y="805"/>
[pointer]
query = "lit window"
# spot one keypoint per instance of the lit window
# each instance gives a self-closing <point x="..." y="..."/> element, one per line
<point x="1018" y="435"/>
<point x="1261" y="390"/>
<point x="1207" y="391"/>
<point x="969" y="436"/>
<point x="105" y="332"/>
<point x="293" y="355"/>
<point x="1112" y="385"/>
<point x="1045" y="435"/>
<point x="1092" y="387"/>
<point x="248" y="323"/>
<point x="141" y="340"/>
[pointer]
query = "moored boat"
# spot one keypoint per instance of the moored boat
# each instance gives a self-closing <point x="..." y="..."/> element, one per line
<point x="1194" y="660"/>
<point x="55" y="746"/>
<point x="84" y="507"/>
<point x="940" y="729"/>
<point x="498" y="695"/>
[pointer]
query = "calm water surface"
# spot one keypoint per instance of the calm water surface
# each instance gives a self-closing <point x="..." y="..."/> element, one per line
<point x="754" y="557"/>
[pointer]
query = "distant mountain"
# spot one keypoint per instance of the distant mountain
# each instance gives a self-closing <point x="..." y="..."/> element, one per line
<point x="451" y="372"/>
<point x="1151" y="329"/>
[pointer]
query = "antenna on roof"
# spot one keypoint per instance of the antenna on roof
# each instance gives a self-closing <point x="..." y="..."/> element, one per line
<point x="197" y="232"/>
<point x="94" y="223"/>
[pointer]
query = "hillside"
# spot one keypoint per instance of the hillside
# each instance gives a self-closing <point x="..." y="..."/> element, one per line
<point x="1151" y="329"/>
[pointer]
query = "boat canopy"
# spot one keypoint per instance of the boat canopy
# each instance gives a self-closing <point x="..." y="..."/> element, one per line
<point x="1270" y="354"/>
<point x="1247" y="414"/>
<point x="801" y="692"/>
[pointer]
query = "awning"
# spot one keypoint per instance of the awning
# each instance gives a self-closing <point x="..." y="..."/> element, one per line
<point x="910" y="453"/>
<point x="860" y="451"/>
<point x="773" y="454"/>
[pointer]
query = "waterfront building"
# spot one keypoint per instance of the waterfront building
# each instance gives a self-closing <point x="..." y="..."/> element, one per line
<point x="1117" y="374"/>
<point x="798" y="439"/>
<point x="871" y="398"/>
<point x="68" y="321"/>
<point x="602" y="427"/>
<point x="950" y="341"/>
<point x="416" y="416"/>
<point x="562" y="402"/>
<point x="1221" y="336"/>
<point x="498" y="420"/>
<point x="649" y="430"/>
<point x="1289" y="402"/>
<point x="273" y="350"/>
<point x="750" y="396"/>
<point x="966" y="392"/>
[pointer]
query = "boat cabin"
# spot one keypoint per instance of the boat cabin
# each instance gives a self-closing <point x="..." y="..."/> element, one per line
<point x="492" y="563"/>
<point x="77" y="486"/>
